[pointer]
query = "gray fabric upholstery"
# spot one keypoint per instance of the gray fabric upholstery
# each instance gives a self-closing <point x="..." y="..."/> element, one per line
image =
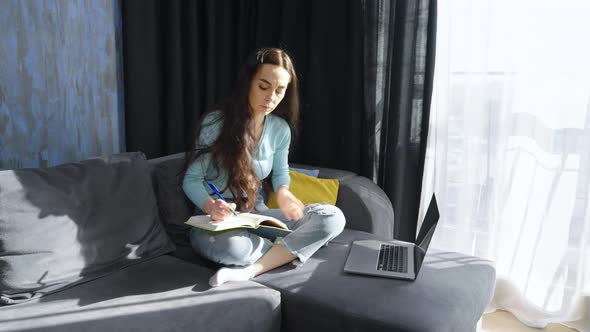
<point x="186" y="253"/>
<point x="75" y="222"/>
<point x="450" y="293"/>
<point x="175" y="208"/>
<point x="171" y="294"/>
<point x="163" y="294"/>
<point x="366" y="207"/>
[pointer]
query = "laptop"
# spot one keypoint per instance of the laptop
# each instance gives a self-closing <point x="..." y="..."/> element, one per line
<point x="394" y="259"/>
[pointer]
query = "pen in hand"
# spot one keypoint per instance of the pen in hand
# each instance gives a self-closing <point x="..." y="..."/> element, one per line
<point x="214" y="188"/>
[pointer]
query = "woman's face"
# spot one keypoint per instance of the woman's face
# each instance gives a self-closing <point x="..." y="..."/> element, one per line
<point x="268" y="88"/>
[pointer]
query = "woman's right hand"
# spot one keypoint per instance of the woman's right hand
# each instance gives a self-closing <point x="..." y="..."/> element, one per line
<point x="218" y="209"/>
<point x="291" y="207"/>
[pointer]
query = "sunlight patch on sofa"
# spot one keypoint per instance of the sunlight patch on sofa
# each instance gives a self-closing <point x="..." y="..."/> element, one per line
<point x="133" y="248"/>
<point x="68" y="311"/>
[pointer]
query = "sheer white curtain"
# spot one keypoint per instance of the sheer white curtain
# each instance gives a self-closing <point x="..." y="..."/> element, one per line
<point x="509" y="150"/>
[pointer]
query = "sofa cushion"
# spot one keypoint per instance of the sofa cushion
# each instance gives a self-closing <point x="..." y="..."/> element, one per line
<point x="174" y="206"/>
<point x="163" y="294"/>
<point x="314" y="172"/>
<point x="68" y="224"/>
<point x="449" y="294"/>
<point x="308" y="190"/>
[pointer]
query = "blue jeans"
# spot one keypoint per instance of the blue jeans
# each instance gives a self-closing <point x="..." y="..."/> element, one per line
<point x="320" y="223"/>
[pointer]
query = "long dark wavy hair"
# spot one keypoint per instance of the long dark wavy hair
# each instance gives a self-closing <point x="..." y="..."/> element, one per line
<point x="233" y="147"/>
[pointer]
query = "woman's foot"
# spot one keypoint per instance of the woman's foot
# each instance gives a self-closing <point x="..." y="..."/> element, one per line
<point x="226" y="274"/>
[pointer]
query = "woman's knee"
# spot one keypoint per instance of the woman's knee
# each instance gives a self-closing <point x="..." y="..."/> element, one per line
<point x="331" y="218"/>
<point x="235" y="247"/>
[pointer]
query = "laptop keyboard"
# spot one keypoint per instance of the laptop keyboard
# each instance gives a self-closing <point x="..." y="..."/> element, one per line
<point x="393" y="258"/>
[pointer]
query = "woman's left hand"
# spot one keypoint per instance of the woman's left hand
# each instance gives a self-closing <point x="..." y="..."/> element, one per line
<point x="291" y="207"/>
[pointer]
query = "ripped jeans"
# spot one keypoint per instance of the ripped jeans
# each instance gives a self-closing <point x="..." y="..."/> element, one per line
<point x="320" y="223"/>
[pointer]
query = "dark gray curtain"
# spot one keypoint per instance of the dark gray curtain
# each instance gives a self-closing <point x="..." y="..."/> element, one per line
<point x="365" y="69"/>
<point x="399" y="43"/>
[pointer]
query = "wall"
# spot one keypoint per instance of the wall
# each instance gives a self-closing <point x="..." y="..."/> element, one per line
<point x="61" y="95"/>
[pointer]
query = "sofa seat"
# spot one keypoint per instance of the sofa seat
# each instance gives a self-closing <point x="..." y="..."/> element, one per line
<point x="162" y="294"/>
<point x="450" y="293"/>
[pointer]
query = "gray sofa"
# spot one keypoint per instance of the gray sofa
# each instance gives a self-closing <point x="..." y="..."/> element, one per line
<point x="130" y="267"/>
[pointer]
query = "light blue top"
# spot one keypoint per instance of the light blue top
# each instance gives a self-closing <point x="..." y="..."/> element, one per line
<point x="271" y="153"/>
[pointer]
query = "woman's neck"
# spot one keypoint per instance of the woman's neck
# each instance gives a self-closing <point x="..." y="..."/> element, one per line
<point x="258" y="120"/>
<point x="256" y="128"/>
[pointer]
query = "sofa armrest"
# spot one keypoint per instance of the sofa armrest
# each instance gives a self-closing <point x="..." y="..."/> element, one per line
<point x="365" y="206"/>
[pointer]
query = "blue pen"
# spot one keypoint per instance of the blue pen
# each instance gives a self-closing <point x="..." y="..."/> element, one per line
<point x="212" y="186"/>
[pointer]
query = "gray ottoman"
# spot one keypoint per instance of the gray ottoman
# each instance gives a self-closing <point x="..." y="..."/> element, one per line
<point x="450" y="293"/>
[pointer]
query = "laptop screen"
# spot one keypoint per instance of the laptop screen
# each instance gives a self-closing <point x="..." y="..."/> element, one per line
<point x="426" y="232"/>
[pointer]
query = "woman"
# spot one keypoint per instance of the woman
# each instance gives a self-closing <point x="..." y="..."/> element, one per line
<point x="237" y="147"/>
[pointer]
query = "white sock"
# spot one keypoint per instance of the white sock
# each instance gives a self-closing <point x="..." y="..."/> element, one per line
<point x="226" y="274"/>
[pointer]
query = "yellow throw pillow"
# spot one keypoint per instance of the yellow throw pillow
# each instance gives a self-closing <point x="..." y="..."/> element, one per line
<point x="309" y="190"/>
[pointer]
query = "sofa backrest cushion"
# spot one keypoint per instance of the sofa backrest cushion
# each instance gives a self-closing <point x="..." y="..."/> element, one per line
<point x="68" y="224"/>
<point x="175" y="207"/>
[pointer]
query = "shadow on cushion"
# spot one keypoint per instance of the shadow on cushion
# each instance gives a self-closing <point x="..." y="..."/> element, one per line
<point x="173" y="205"/>
<point x="68" y="224"/>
